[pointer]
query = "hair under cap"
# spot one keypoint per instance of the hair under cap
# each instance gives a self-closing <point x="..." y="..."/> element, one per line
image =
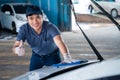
<point x="32" y="9"/>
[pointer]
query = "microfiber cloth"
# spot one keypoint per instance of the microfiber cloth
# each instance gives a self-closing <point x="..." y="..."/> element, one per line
<point x="69" y="64"/>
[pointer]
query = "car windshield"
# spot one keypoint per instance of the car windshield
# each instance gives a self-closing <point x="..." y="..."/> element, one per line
<point x="20" y="8"/>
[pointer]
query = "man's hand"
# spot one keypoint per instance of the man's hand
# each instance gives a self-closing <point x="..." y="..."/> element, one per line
<point x="67" y="58"/>
<point x="20" y="51"/>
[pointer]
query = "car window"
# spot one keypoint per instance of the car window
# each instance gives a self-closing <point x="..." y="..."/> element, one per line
<point x="20" y="8"/>
<point x="6" y="9"/>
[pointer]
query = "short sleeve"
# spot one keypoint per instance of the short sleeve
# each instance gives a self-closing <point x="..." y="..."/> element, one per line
<point x="54" y="31"/>
<point x="21" y="34"/>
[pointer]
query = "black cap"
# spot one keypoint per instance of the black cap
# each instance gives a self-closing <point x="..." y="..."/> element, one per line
<point x="32" y="9"/>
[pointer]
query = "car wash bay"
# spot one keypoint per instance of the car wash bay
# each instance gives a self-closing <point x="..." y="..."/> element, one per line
<point x="11" y="65"/>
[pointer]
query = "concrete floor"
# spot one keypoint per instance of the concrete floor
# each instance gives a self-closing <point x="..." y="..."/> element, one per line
<point x="105" y="38"/>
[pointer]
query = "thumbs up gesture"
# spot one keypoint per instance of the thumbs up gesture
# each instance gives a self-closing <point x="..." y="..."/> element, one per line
<point x="20" y="51"/>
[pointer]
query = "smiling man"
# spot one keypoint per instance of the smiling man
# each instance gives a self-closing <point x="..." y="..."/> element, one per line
<point x="44" y="39"/>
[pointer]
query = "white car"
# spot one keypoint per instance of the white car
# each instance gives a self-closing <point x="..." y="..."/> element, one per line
<point x="113" y="8"/>
<point x="12" y="16"/>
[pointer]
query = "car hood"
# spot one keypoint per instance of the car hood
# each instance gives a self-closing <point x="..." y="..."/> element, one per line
<point x="102" y="69"/>
<point x="51" y="70"/>
<point x="96" y="71"/>
<point x="40" y="73"/>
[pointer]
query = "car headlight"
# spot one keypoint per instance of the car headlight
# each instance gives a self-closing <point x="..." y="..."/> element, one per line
<point x="20" y="18"/>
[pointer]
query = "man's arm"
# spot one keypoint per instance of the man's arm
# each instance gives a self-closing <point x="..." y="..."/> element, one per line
<point x="63" y="48"/>
<point x="59" y="42"/>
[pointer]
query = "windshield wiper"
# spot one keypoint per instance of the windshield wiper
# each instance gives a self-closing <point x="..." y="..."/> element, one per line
<point x="106" y="13"/>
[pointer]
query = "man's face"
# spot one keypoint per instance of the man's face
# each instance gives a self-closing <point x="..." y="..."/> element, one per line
<point x="35" y="21"/>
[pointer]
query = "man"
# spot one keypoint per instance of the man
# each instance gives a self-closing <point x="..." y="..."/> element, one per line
<point x="44" y="39"/>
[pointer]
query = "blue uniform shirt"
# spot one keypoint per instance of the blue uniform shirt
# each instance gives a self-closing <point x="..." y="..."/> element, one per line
<point x="42" y="43"/>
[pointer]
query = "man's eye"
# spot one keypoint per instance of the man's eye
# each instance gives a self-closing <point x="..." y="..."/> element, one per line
<point x="38" y="17"/>
<point x="31" y="18"/>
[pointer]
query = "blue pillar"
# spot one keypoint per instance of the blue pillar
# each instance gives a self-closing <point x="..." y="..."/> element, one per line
<point x="64" y="15"/>
<point x="50" y="7"/>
